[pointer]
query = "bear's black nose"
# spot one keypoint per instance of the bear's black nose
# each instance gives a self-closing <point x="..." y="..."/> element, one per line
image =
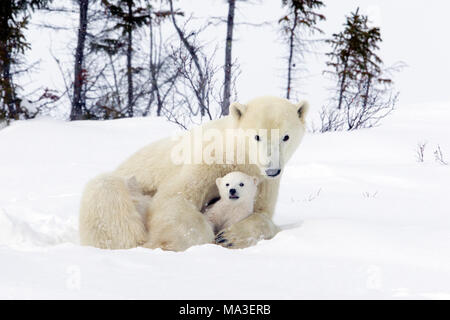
<point x="273" y="172"/>
<point x="232" y="191"/>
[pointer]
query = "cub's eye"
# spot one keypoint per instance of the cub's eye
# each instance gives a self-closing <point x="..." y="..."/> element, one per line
<point x="241" y="184"/>
<point x="227" y="185"/>
<point x="286" y="138"/>
<point x="257" y="138"/>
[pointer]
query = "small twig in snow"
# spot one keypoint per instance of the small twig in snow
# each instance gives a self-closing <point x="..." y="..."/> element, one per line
<point x="313" y="196"/>
<point x="439" y="157"/>
<point x="420" y="153"/>
<point x="370" y="195"/>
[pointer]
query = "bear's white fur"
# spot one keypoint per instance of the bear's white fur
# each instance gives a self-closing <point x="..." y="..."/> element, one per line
<point x="109" y="218"/>
<point x="141" y="201"/>
<point x="237" y="196"/>
<point x="115" y="223"/>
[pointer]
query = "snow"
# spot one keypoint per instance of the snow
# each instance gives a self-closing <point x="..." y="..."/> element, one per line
<point x="361" y="218"/>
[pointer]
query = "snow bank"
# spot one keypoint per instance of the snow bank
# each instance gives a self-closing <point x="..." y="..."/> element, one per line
<point x="361" y="218"/>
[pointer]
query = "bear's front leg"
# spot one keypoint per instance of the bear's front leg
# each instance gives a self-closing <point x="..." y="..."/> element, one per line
<point x="247" y="232"/>
<point x="176" y="224"/>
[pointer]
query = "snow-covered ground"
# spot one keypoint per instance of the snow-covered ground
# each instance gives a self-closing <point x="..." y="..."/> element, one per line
<point x="361" y="218"/>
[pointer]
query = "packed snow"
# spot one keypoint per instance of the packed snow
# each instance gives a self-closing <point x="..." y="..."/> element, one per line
<point x="361" y="218"/>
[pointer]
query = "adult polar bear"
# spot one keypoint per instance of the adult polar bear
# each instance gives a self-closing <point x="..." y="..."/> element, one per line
<point x="108" y="216"/>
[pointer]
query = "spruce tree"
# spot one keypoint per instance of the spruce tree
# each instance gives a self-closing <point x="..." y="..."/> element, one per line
<point x="14" y="19"/>
<point x="353" y="56"/>
<point x="358" y="69"/>
<point x="129" y="16"/>
<point x="302" y="18"/>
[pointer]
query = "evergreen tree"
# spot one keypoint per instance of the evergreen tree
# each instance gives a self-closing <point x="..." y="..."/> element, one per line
<point x="354" y="55"/>
<point x="302" y="17"/>
<point x="129" y="16"/>
<point x="359" y="72"/>
<point x="14" y="19"/>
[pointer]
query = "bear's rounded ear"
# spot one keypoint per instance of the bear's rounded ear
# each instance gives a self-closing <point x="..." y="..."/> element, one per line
<point x="256" y="180"/>
<point x="302" y="110"/>
<point x="218" y="180"/>
<point x="237" y="110"/>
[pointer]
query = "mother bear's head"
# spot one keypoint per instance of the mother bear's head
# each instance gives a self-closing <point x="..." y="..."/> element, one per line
<point x="274" y="127"/>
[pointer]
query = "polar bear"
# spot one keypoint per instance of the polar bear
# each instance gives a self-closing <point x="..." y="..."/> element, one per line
<point x="123" y="192"/>
<point x="141" y="200"/>
<point x="179" y="189"/>
<point x="237" y="196"/>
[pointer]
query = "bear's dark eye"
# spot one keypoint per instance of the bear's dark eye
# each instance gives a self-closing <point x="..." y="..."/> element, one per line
<point x="227" y="185"/>
<point x="241" y="184"/>
<point x="286" y="138"/>
<point x="257" y="138"/>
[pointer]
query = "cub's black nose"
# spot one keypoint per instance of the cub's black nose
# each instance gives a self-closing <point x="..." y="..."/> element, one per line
<point x="232" y="191"/>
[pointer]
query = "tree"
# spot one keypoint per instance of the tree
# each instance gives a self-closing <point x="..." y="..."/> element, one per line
<point x="14" y="18"/>
<point x="302" y="17"/>
<point x="199" y="87"/>
<point x="78" y="103"/>
<point x="364" y="94"/>
<point x="228" y="59"/>
<point x="353" y="54"/>
<point x="87" y="84"/>
<point x="154" y="70"/>
<point x="163" y="73"/>
<point x="129" y="16"/>
<point x="104" y="84"/>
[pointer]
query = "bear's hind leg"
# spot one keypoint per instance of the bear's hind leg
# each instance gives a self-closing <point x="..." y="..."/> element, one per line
<point x="108" y="215"/>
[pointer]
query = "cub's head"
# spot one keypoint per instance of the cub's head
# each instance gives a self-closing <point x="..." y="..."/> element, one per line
<point x="237" y="187"/>
<point x="274" y="128"/>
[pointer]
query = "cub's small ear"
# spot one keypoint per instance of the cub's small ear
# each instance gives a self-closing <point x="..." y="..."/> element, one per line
<point x="218" y="181"/>
<point x="302" y="110"/>
<point x="256" y="180"/>
<point x="237" y="110"/>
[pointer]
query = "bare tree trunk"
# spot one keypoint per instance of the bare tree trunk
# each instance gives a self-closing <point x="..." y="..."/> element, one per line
<point x="116" y="84"/>
<point x="7" y="85"/>
<point x="228" y="61"/>
<point x="155" y="87"/>
<point x="192" y="52"/>
<point x="342" y="87"/>
<point x="130" y="111"/>
<point x="78" y="103"/>
<point x="5" y="61"/>
<point x="291" y="56"/>
<point x="366" y="97"/>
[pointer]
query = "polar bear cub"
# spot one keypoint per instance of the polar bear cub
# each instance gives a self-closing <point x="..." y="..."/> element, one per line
<point x="237" y="196"/>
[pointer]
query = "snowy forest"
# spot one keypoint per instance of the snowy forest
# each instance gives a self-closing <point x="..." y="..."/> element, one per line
<point x="151" y="58"/>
